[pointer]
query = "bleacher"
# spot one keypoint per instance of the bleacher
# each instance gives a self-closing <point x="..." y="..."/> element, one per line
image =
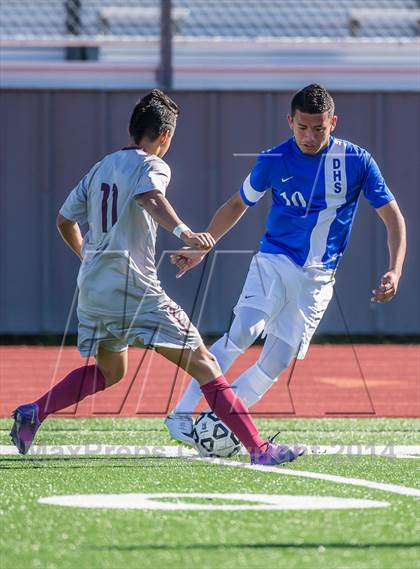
<point x="230" y="44"/>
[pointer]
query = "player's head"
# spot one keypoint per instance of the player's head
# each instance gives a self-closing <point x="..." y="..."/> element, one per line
<point x="153" y="122"/>
<point x="312" y="118"/>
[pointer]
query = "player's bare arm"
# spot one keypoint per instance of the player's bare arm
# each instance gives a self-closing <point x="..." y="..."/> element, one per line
<point x="226" y="217"/>
<point x="396" y="235"/>
<point x="71" y="234"/>
<point x="159" y="208"/>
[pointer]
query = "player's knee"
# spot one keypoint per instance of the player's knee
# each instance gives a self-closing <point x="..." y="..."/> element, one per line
<point x="273" y="369"/>
<point x="205" y="363"/>
<point x="112" y="376"/>
<point x="209" y="360"/>
<point x="113" y="365"/>
<point x="275" y="357"/>
<point x="247" y="326"/>
<point x="264" y="379"/>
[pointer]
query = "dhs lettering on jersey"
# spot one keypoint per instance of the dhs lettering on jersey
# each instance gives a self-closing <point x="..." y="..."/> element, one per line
<point x="337" y="178"/>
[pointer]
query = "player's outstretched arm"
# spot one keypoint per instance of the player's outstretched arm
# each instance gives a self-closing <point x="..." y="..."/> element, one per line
<point x="396" y="234"/>
<point x="70" y="232"/>
<point x="226" y="217"/>
<point x="159" y="208"/>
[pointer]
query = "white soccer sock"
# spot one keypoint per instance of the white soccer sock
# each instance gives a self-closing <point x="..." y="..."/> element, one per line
<point x="251" y="385"/>
<point x="189" y="399"/>
<point x="275" y="357"/>
<point x="226" y="353"/>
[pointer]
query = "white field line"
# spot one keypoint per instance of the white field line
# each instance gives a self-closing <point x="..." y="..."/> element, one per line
<point x="407" y="456"/>
<point x="393" y="488"/>
<point x="178" y="451"/>
<point x="258" y="502"/>
<point x="191" y="454"/>
<point x="101" y="449"/>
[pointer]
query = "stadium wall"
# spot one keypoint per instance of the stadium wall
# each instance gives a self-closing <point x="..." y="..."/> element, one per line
<point x="50" y="138"/>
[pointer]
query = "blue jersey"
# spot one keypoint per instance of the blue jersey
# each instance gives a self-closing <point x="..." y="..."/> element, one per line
<point x="314" y="198"/>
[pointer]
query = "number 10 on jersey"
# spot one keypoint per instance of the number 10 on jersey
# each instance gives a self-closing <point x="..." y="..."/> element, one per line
<point x="106" y="189"/>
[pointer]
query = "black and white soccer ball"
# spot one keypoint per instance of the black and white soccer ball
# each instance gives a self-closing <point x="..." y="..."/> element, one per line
<point x="213" y="438"/>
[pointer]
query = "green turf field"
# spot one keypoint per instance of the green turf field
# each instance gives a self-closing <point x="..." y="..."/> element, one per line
<point x="50" y="536"/>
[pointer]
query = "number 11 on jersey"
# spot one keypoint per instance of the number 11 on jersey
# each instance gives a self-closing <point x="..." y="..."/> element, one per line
<point x="106" y="189"/>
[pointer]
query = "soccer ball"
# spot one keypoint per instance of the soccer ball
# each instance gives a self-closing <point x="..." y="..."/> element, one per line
<point x="213" y="438"/>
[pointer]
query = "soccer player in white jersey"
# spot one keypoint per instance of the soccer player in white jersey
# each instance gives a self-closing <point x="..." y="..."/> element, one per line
<point x="121" y="302"/>
<point x="316" y="181"/>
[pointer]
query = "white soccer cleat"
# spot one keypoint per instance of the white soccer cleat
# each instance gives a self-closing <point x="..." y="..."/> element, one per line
<point x="180" y="426"/>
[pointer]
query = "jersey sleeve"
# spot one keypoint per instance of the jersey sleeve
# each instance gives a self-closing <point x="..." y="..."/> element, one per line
<point x="374" y="187"/>
<point x="155" y="175"/>
<point x="75" y="206"/>
<point x="257" y="182"/>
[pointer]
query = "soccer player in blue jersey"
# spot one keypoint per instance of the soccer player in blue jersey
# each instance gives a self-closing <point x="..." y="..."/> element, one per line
<point x="316" y="181"/>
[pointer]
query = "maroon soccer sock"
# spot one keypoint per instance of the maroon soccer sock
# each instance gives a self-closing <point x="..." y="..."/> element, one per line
<point x="231" y="410"/>
<point x="77" y="385"/>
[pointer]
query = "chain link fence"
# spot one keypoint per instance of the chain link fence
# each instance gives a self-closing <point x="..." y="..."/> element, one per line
<point x="210" y="19"/>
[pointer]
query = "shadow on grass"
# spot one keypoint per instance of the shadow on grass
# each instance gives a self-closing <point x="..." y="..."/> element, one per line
<point x="213" y="546"/>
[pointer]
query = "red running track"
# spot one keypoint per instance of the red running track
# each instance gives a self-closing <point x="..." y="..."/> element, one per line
<point x="333" y="381"/>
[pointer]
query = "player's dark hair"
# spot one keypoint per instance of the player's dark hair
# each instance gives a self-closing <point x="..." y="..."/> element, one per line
<point x="152" y="115"/>
<point x="312" y="99"/>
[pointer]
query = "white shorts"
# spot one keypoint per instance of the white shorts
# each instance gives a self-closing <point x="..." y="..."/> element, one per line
<point x="293" y="297"/>
<point x="167" y="325"/>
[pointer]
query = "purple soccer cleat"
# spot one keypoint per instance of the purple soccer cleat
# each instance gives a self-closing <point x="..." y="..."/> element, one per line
<point x="25" y="426"/>
<point x="278" y="454"/>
